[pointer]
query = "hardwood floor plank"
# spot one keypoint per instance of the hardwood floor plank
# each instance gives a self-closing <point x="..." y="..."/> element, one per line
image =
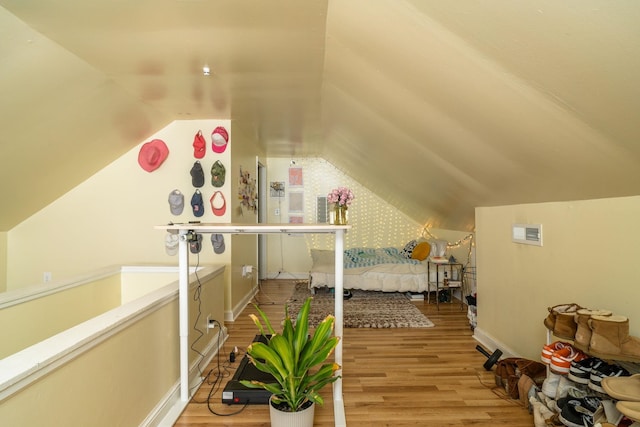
<point x="392" y="377"/>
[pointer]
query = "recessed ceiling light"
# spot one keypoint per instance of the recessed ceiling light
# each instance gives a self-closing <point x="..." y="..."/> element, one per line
<point x="206" y="70"/>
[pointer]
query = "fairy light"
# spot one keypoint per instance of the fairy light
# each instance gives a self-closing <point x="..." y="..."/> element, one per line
<point x="375" y="222"/>
<point x="468" y="239"/>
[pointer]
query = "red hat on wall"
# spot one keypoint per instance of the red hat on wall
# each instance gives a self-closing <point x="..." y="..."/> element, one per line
<point x="199" y="145"/>
<point x="152" y="154"/>
<point x="218" y="203"/>
<point x="219" y="139"/>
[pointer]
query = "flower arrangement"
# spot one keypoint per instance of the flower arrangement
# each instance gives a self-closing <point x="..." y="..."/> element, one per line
<point x="341" y="196"/>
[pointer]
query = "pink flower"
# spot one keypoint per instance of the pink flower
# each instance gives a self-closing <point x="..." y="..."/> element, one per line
<point x="341" y="196"/>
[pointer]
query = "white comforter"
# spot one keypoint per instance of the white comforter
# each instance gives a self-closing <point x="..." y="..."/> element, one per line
<point x="380" y="277"/>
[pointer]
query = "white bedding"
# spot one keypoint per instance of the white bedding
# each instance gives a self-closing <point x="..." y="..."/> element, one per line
<point x="381" y="277"/>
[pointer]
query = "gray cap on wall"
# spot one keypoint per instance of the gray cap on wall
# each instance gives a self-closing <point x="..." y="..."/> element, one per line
<point x="176" y="202"/>
<point x="217" y="240"/>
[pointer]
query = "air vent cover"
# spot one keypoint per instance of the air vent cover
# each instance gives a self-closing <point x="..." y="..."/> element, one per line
<point x="322" y="211"/>
<point x="528" y="234"/>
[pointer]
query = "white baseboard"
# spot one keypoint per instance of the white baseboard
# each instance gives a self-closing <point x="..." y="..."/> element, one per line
<point x="231" y="316"/>
<point x="168" y="410"/>
<point x="491" y="344"/>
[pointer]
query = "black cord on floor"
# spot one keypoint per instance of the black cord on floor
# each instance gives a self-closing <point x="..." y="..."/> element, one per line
<point x="214" y="378"/>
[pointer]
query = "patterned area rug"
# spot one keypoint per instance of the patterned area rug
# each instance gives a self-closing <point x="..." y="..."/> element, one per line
<point x="365" y="309"/>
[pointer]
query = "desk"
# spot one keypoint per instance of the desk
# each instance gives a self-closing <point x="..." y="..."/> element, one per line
<point x="234" y="228"/>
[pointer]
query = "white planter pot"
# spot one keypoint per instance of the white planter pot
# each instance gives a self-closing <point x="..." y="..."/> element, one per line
<point x="302" y="418"/>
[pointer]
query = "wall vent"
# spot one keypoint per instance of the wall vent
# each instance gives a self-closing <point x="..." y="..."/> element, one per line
<point x="322" y="210"/>
<point x="528" y="234"/>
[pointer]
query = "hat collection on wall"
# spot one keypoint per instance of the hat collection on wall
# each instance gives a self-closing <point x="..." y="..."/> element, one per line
<point x="151" y="156"/>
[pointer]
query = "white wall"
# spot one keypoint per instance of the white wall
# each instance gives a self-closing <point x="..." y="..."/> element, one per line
<point x="109" y="219"/>
<point x="245" y="247"/>
<point x="589" y="257"/>
<point x="375" y="223"/>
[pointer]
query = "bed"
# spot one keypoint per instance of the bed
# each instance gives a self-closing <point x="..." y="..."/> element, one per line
<point x="387" y="269"/>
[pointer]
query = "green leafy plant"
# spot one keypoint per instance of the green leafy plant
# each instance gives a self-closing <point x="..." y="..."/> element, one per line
<point x="292" y="358"/>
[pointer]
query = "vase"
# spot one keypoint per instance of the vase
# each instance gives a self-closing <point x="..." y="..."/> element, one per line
<point x="341" y="215"/>
<point x="302" y="418"/>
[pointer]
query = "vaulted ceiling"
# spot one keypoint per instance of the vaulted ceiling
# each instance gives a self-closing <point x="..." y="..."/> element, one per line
<point x="438" y="106"/>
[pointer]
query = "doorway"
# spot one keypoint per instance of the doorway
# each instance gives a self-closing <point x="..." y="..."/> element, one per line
<point x="262" y="219"/>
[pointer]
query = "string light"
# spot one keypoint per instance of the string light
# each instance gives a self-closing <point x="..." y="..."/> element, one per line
<point x="375" y="222"/>
<point x="466" y="239"/>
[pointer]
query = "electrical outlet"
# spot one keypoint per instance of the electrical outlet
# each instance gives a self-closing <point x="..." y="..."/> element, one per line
<point x="207" y="325"/>
<point x="46" y="277"/>
<point x="247" y="270"/>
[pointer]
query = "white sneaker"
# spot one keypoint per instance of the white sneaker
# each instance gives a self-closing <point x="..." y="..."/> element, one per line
<point x="550" y="385"/>
<point x="540" y="412"/>
<point x="566" y="387"/>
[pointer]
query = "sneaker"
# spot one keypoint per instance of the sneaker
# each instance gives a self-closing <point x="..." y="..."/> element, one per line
<point x="550" y="385"/>
<point x="580" y="371"/>
<point x="540" y="412"/>
<point x="562" y="402"/>
<point x="547" y="401"/>
<point x="549" y="349"/>
<point x="605" y="370"/>
<point x="580" y="412"/>
<point x="561" y="359"/>
<point x="566" y="387"/>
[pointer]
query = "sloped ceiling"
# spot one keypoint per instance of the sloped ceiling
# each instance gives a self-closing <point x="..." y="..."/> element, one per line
<point x="437" y="106"/>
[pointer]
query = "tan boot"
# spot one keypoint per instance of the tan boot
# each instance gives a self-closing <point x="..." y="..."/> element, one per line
<point x="583" y="332"/>
<point x="560" y="320"/>
<point x="610" y="339"/>
<point x="565" y="326"/>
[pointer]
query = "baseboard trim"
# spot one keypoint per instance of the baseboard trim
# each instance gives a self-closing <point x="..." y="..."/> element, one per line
<point x="492" y="344"/>
<point x="170" y="407"/>
<point x="231" y="316"/>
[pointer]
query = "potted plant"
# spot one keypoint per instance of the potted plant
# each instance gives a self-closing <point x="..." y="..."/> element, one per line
<point x="297" y="362"/>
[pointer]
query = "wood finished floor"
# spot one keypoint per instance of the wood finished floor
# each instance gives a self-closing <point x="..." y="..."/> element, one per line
<point x="391" y="377"/>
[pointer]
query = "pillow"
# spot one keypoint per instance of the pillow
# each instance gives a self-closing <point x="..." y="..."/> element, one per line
<point x="407" y="251"/>
<point x="421" y="251"/>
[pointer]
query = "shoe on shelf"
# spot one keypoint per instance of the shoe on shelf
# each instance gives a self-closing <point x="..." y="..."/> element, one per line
<point x="549" y="349"/>
<point x="561" y="359"/>
<point x="581" y="412"/>
<point x="550" y="385"/>
<point x="622" y="388"/>
<point x="630" y="410"/>
<point x="547" y="401"/>
<point x="580" y="371"/>
<point x="610" y="339"/>
<point x="605" y="370"/>
<point x="540" y="412"/>
<point x="571" y="389"/>
<point x="552" y="317"/>
<point x="583" y="331"/>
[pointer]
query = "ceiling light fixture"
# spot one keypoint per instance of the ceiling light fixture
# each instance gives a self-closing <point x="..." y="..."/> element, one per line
<point x="206" y="70"/>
